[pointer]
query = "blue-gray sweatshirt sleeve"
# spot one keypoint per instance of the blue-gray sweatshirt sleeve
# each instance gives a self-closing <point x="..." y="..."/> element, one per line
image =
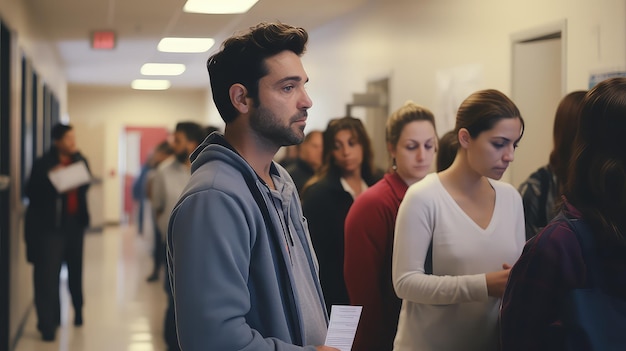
<point x="209" y="248"/>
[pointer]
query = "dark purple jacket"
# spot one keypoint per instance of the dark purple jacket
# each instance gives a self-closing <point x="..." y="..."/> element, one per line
<point x="550" y="266"/>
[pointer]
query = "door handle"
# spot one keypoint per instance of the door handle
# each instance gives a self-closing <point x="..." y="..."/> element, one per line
<point x="5" y="180"/>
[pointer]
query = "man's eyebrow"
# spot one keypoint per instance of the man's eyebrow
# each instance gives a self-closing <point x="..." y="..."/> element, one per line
<point x="291" y="78"/>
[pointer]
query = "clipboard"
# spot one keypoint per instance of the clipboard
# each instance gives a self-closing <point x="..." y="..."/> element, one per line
<point x="70" y="177"/>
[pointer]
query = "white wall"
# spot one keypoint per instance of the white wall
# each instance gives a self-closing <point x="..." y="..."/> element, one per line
<point x="410" y="41"/>
<point x="99" y="115"/>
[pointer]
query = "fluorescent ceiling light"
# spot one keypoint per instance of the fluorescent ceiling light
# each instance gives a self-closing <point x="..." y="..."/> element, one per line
<point x="191" y="45"/>
<point x="150" y="84"/>
<point x="218" y="6"/>
<point x="162" y="69"/>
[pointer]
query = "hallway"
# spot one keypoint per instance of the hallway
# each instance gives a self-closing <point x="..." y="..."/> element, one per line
<point x="122" y="311"/>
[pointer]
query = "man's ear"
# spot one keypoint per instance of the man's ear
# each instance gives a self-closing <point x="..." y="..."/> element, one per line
<point x="464" y="137"/>
<point x="238" y="97"/>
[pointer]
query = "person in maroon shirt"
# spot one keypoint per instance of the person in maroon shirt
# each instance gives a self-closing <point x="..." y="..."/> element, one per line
<point x="552" y="263"/>
<point x="369" y="227"/>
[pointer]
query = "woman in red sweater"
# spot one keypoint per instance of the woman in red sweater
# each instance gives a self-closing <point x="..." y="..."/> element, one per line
<point x="369" y="227"/>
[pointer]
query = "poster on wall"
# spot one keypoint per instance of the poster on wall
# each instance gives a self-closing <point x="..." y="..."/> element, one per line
<point x="454" y="85"/>
<point x="597" y="77"/>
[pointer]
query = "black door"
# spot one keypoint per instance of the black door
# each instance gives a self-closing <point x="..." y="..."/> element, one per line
<point x="5" y="55"/>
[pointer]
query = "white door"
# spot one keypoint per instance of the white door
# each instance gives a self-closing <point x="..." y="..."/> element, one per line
<point x="537" y="89"/>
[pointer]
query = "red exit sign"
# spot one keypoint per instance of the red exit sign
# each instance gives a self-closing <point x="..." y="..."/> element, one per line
<point x="103" y="40"/>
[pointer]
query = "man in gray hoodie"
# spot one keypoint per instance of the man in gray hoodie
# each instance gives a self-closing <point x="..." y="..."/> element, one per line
<point x="244" y="273"/>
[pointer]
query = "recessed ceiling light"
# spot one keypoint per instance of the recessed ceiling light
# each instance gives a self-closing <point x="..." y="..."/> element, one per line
<point x="162" y="69"/>
<point x="189" y="45"/>
<point x="218" y="6"/>
<point x="150" y="84"/>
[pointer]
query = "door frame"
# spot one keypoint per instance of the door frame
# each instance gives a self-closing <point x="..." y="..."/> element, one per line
<point x="5" y="169"/>
<point x="557" y="29"/>
<point x="541" y="33"/>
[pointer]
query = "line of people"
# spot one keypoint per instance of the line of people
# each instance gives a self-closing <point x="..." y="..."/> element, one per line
<point x="445" y="224"/>
<point x="428" y="256"/>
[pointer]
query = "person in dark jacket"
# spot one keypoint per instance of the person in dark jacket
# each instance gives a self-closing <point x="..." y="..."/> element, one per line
<point x="309" y="159"/>
<point x="554" y="263"/>
<point x="54" y="231"/>
<point x="347" y="171"/>
<point x="542" y="190"/>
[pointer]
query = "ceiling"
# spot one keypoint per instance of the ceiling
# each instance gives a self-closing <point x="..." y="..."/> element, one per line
<point x="140" y="24"/>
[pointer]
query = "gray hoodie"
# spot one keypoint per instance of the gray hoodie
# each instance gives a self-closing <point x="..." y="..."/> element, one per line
<point x="233" y="283"/>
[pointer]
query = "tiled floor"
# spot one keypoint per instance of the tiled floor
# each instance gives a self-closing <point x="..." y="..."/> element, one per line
<point x="122" y="311"/>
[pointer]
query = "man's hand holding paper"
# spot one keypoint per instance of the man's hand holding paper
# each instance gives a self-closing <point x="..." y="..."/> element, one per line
<point x="69" y="177"/>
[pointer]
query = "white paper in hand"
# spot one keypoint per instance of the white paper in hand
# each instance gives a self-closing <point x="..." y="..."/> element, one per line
<point x="70" y="177"/>
<point x="342" y="327"/>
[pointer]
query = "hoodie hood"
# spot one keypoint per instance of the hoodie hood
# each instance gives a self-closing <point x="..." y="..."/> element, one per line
<point x="213" y="148"/>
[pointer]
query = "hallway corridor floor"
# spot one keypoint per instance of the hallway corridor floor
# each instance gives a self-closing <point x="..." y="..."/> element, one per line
<point x="122" y="311"/>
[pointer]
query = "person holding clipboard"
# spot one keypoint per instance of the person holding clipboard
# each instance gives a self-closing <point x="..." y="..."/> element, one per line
<point x="55" y="224"/>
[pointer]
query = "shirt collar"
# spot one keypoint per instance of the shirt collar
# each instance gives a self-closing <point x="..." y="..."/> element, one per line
<point x="570" y="209"/>
<point x="346" y="187"/>
<point x="397" y="184"/>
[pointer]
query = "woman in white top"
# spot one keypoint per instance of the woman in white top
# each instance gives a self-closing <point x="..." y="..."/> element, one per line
<point x="468" y="227"/>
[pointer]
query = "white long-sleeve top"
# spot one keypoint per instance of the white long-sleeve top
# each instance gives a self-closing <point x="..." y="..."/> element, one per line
<point x="450" y="309"/>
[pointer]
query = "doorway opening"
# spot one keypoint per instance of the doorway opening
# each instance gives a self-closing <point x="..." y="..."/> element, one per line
<point x="538" y="84"/>
<point x="376" y="111"/>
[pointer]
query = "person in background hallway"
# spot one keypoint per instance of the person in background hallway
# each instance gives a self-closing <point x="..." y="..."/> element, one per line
<point x="139" y="193"/>
<point x="244" y="272"/>
<point x="542" y="189"/>
<point x="290" y="156"/>
<point x="309" y="159"/>
<point x="347" y="172"/>
<point x="552" y="263"/>
<point x="54" y="228"/>
<point x="169" y="182"/>
<point x="448" y="146"/>
<point x="411" y="142"/>
<point x="465" y="227"/>
<point x="162" y="152"/>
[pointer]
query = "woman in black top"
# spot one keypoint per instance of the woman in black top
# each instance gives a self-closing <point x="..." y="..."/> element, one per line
<point x="347" y="171"/>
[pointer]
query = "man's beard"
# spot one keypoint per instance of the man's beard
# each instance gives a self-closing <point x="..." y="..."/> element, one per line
<point x="267" y="125"/>
<point x="183" y="157"/>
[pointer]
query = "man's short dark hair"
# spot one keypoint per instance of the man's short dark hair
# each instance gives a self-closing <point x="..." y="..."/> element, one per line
<point x="193" y="131"/>
<point x="242" y="60"/>
<point x="164" y="147"/>
<point x="59" y="130"/>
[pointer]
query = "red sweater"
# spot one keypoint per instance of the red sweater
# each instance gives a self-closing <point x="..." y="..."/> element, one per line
<point x="369" y="230"/>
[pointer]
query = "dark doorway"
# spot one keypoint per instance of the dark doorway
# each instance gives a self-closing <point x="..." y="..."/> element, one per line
<point x="5" y="93"/>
